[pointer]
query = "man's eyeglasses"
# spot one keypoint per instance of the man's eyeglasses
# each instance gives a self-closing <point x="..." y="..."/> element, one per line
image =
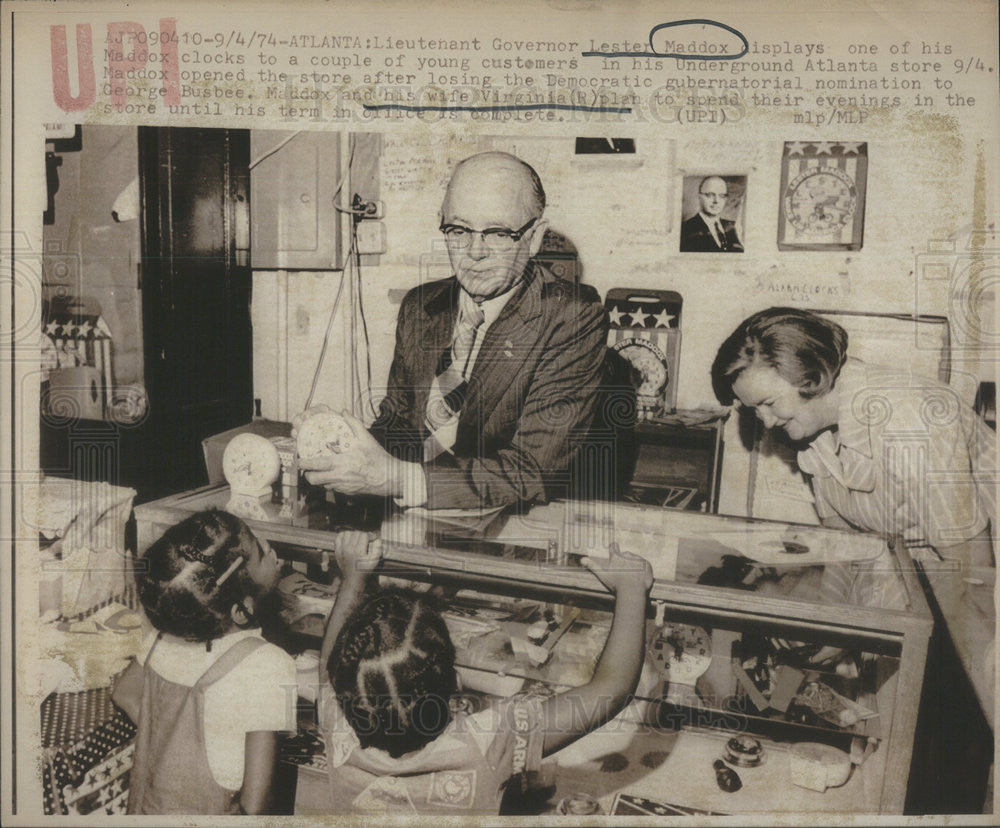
<point x="497" y="239"/>
<point x="718" y="196"/>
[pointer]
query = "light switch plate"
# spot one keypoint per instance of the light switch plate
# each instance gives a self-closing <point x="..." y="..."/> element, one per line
<point x="371" y="237"/>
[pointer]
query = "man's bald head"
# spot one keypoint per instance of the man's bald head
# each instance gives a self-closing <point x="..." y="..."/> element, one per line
<point x="713" y="193"/>
<point x="502" y="172"/>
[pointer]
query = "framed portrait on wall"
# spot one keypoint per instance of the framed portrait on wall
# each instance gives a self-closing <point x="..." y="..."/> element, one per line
<point x="822" y="195"/>
<point x="712" y="215"/>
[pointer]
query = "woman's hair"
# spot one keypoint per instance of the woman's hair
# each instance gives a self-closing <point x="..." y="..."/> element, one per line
<point x="805" y="349"/>
<point x="393" y="672"/>
<point x="178" y="586"/>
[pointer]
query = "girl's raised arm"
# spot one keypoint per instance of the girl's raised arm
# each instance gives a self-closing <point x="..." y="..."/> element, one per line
<point x="357" y="558"/>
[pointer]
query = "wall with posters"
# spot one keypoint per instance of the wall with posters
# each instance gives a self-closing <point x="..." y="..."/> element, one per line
<point x="623" y="211"/>
<point x="91" y="252"/>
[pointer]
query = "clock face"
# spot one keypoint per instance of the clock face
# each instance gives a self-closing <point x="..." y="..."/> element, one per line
<point x="321" y="433"/>
<point x="251" y="464"/>
<point x="820" y="200"/>
<point x="648" y="364"/>
<point x="681" y="652"/>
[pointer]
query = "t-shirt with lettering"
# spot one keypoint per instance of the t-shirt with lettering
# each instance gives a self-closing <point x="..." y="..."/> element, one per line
<point x="465" y="770"/>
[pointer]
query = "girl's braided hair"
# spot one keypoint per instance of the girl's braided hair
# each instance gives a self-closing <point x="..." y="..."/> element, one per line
<point x="393" y="671"/>
<point x="178" y="576"/>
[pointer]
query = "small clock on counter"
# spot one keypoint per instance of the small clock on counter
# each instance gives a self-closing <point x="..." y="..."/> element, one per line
<point x="251" y="465"/>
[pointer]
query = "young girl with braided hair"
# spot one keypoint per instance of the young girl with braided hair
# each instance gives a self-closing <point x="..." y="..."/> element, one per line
<point x="215" y="694"/>
<point x="394" y="743"/>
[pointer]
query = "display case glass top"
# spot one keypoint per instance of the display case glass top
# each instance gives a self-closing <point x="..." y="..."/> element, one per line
<point x="786" y="634"/>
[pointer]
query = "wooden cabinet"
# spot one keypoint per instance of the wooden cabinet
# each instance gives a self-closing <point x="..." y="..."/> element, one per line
<point x="295" y="223"/>
<point x="760" y="607"/>
<point x="196" y="297"/>
<point x="678" y="463"/>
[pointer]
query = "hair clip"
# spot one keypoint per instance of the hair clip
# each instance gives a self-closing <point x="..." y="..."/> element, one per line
<point x="232" y="568"/>
<point x="194" y="555"/>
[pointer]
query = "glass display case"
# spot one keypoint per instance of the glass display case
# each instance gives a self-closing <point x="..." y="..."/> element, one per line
<point x="784" y="663"/>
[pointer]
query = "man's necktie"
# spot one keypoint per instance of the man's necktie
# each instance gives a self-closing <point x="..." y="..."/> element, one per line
<point x="720" y="234"/>
<point x="448" y="389"/>
<point x="465" y="337"/>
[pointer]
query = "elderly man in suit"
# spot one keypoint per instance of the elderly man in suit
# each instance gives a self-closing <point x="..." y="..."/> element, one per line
<point x="497" y="369"/>
<point x="706" y="231"/>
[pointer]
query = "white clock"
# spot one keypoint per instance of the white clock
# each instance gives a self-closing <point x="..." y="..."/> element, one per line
<point x="251" y="465"/>
<point x="323" y="433"/>
<point x="682" y="653"/>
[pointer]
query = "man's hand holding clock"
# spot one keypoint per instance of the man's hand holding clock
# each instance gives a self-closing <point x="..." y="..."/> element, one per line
<point x="348" y="459"/>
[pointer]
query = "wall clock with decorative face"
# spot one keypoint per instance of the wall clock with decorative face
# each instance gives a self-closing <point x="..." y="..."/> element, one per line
<point x="820" y="201"/>
<point x="822" y="195"/>
<point x="645" y="332"/>
<point x="251" y="465"/>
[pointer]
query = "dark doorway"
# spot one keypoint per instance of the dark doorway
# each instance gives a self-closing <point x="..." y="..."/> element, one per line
<point x="195" y="286"/>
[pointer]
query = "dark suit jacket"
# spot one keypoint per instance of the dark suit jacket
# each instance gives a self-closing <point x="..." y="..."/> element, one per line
<point x="532" y="394"/>
<point x="697" y="238"/>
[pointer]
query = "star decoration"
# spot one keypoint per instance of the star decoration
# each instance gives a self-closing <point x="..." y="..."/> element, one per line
<point x="639" y="318"/>
<point x="616" y="316"/>
<point x="85" y="328"/>
<point x="796" y="148"/>
<point x="72" y="329"/>
<point x="824" y="147"/>
<point x="51" y="328"/>
<point x="850" y="146"/>
<point x="663" y="318"/>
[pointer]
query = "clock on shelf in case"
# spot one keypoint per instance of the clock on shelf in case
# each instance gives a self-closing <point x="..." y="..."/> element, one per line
<point x="681" y="653"/>
<point x="251" y="465"/>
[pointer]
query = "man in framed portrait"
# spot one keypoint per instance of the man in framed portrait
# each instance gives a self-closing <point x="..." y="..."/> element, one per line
<point x="707" y="231"/>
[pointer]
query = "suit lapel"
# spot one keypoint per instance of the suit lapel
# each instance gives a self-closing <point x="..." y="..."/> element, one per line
<point x="440" y="308"/>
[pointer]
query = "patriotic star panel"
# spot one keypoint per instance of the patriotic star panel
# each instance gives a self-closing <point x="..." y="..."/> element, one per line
<point x="76" y="354"/>
<point x="645" y="331"/>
